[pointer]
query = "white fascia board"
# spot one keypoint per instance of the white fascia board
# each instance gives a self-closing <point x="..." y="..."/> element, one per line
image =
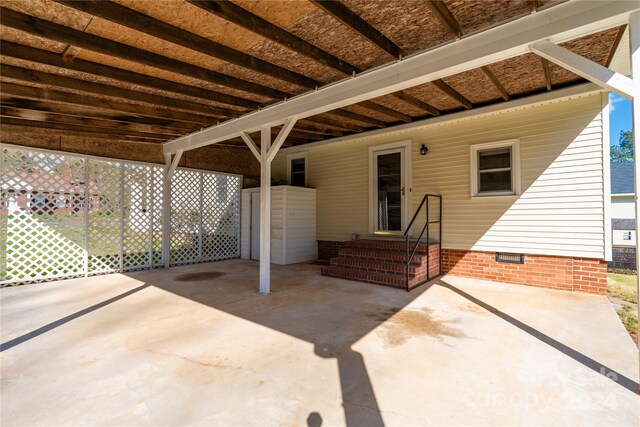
<point x="559" y="23"/>
<point x="500" y="107"/>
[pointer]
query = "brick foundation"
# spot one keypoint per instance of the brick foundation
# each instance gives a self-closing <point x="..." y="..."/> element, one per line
<point x="328" y="249"/>
<point x="571" y="274"/>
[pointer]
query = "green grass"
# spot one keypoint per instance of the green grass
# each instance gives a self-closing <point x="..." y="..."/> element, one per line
<point x="629" y="320"/>
<point x="623" y="286"/>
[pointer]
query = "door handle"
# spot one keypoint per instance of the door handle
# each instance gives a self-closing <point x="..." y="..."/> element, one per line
<point x="403" y="191"/>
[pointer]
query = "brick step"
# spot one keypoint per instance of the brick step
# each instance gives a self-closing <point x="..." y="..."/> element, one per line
<point x="382" y="255"/>
<point x="375" y="265"/>
<point x="394" y="280"/>
<point x="388" y="245"/>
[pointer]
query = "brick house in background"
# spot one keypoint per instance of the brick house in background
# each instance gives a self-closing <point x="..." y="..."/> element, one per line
<point x="622" y="216"/>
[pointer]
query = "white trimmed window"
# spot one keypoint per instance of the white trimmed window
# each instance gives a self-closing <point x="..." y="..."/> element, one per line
<point x="495" y="169"/>
<point x="297" y="169"/>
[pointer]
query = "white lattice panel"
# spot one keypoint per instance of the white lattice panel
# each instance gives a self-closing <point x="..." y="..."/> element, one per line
<point x="136" y="245"/>
<point x="42" y="216"/>
<point x="104" y="240"/>
<point x="48" y="231"/>
<point x="220" y="217"/>
<point x="185" y="216"/>
<point x="205" y="217"/>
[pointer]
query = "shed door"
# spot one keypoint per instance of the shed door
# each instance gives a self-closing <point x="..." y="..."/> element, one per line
<point x="255" y="225"/>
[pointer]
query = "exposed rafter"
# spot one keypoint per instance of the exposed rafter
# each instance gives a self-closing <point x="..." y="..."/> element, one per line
<point x="41" y="56"/>
<point x="61" y="33"/>
<point x="442" y="12"/>
<point x="251" y="22"/>
<point x="486" y="70"/>
<point x="120" y="128"/>
<point x="83" y="111"/>
<point x="570" y="20"/>
<point x="12" y="121"/>
<point x="245" y="19"/>
<point x="451" y="92"/>
<point x="339" y="11"/>
<point x="53" y="95"/>
<point x="57" y="80"/>
<point x="440" y="9"/>
<point x="139" y="21"/>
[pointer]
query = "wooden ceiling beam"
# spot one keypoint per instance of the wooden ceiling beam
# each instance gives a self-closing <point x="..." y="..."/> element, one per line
<point x="138" y="21"/>
<point x="333" y="124"/>
<point x="61" y="33"/>
<point x="385" y="110"/>
<point x="32" y="54"/>
<point x="352" y="20"/>
<point x="56" y="80"/>
<point x="81" y="111"/>
<point x="251" y="22"/>
<point x="486" y="70"/>
<point x="457" y="96"/>
<point x="13" y="121"/>
<point x="442" y="12"/>
<point x="52" y="95"/>
<point x="312" y="128"/>
<point x="341" y="112"/>
<point x="131" y="129"/>
<point x="418" y="103"/>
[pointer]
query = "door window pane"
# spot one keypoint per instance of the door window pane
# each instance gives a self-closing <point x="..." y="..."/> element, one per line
<point x="389" y="198"/>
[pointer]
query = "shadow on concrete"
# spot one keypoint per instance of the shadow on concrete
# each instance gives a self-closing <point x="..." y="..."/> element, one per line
<point x="590" y="363"/>
<point x="332" y="316"/>
<point x="48" y="327"/>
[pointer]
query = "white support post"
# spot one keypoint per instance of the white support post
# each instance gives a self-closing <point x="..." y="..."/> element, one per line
<point x="171" y="164"/>
<point x="265" y="211"/>
<point x="634" y="53"/>
<point x="590" y="70"/>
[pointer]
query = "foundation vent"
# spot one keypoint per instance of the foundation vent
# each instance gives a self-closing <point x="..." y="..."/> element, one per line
<point x="510" y="258"/>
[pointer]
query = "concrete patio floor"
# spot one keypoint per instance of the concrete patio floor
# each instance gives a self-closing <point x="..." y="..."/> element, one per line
<point x="198" y="345"/>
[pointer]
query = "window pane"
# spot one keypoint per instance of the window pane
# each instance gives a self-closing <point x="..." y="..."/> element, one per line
<point x="494" y="159"/>
<point x="297" y="165"/>
<point x="298" y="172"/>
<point x="297" y="179"/>
<point x="495" y="181"/>
<point x="389" y="192"/>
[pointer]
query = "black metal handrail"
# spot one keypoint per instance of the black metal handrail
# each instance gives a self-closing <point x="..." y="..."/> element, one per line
<point x="409" y="258"/>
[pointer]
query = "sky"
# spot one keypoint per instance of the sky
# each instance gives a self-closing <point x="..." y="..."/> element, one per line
<point x="619" y="117"/>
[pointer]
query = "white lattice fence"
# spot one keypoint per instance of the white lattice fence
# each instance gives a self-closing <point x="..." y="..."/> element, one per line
<point x="49" y="232"/>
<point x="64" y="216"/>
<point x="205" y="216"/>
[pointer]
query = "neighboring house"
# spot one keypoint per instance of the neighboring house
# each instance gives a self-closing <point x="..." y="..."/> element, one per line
<point x="522" y="189"/>
<point x="622" y="216"/>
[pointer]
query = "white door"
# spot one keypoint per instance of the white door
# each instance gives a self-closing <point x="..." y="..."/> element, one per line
<point x="390" y="191"/>
<point x="255" y="225"/>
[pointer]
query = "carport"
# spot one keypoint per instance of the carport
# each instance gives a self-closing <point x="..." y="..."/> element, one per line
<point x="121" y="123"/>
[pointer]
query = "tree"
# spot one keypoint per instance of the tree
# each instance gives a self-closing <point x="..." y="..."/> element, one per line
<point x="623" y="152"/>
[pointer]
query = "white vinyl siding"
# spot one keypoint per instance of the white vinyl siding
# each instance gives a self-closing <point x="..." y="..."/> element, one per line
<point x="561" y="207"/>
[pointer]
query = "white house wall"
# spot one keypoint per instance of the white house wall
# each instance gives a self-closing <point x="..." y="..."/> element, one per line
<point x="561" y="208"/>
<point x="622" y="207"/>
